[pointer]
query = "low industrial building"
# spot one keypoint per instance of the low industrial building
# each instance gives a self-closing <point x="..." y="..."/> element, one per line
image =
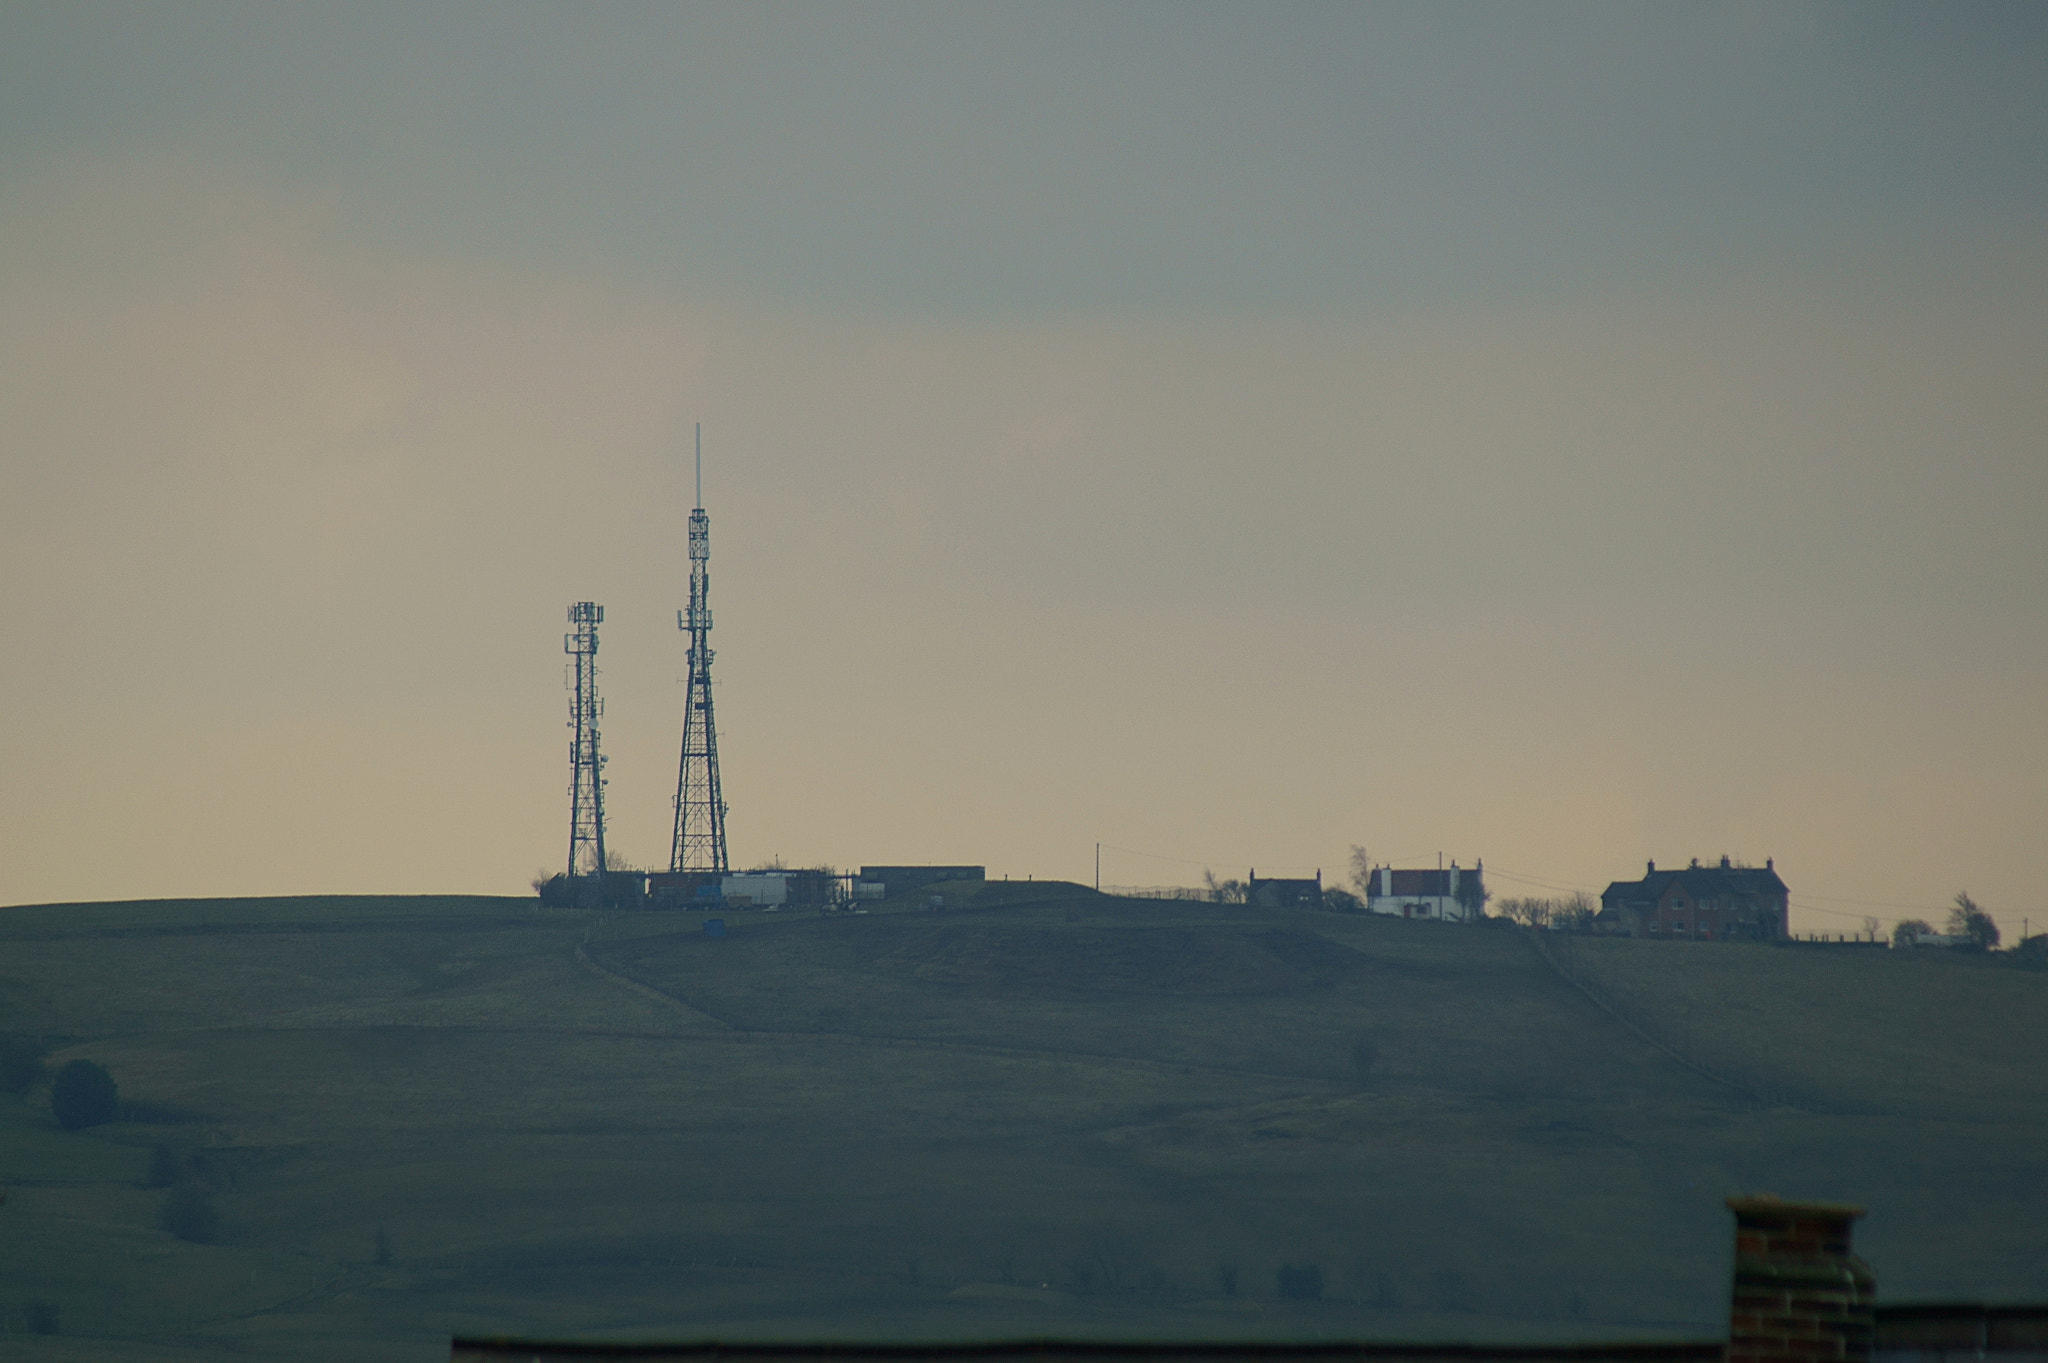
<point x="794" y="889"/>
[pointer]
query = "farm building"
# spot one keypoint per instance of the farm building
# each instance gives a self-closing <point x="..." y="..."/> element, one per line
<point x="1284" y="894"/>
<point x="742" y="889"/>
<point x="1451" y="893"/>
<point x="807" y="889"/>
<point x="1701" y="903"/>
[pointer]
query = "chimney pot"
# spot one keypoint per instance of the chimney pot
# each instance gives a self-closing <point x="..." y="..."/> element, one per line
<point x="1653" y="869"/>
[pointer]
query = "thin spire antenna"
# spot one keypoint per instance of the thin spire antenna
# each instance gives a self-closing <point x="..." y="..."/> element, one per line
<point x="700" y="466"/>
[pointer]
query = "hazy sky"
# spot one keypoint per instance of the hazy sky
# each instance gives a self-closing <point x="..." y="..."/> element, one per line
<point x="1559" y="434"/>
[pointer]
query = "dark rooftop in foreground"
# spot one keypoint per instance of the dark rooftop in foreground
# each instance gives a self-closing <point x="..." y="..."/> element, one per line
<point x="1799" y="1295"/>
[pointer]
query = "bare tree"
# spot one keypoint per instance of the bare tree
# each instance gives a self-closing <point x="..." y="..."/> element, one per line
<point x="1361" y="872"/>
<point x="1574" y="913"/>
<point x="1223" y="891"/>
<point x="1968" y="920"/>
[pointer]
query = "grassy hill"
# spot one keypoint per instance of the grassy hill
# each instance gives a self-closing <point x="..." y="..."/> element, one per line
<point x="1040" y="1111"/>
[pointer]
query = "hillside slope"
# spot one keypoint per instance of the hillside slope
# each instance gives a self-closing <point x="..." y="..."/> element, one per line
<point x="1041" y="1112"/>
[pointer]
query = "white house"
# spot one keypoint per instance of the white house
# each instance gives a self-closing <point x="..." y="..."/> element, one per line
<point x="1451" y="894"/>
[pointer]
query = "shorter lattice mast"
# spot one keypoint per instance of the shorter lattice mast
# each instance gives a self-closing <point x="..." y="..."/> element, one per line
<point x="586" y="784"/>
<point x="700" y="807"/>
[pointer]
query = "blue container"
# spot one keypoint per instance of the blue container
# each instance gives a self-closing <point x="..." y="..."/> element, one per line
<point x="714" y="927"/>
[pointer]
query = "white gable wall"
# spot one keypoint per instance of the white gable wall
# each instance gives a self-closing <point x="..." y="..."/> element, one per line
<point x="1441" y="906"/>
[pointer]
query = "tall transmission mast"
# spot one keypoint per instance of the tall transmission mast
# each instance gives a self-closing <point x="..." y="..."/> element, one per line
<point x="586" y="785"/>
<point x="700" y="807"/>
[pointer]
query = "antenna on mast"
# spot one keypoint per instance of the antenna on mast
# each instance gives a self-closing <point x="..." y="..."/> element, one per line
<point x="700" y="466"/>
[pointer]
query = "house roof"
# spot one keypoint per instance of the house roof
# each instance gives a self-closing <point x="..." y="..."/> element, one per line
<point x="1701" y="882"/>
<point x="1429" y="882"/>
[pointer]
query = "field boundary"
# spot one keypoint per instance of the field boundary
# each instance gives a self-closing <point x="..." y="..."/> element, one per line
<point x="735" y="1032"/>
<point x="605" y="972"/>
<point x="1606" y="1003"/>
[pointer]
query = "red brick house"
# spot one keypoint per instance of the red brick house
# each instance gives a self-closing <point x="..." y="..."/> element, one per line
<point x="1704" y="903"/>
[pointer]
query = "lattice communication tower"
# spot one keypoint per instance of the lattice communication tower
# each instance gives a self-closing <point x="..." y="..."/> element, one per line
<point x="586" y="785"/>
<point x="700" y="807"/>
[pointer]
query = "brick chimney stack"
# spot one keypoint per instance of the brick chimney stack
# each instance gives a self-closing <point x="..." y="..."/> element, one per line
<point x="1800" y="1295"/>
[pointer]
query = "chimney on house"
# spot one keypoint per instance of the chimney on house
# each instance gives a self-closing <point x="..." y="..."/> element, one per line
<point x="1653" y="869"/>
<point x="1800" y="1295"/>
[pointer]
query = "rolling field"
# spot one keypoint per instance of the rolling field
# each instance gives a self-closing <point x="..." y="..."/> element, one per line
<point x="1038" y="1112"/>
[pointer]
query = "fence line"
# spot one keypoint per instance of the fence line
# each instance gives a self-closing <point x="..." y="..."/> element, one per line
<point x="1607" y="1004"/>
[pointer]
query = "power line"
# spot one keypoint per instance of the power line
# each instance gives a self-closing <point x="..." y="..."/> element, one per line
<point x="1839" y="913"/>
<point x="1878" y="903"/>
<point x="1205" y="864"/>
<point x="1532" y="880"/>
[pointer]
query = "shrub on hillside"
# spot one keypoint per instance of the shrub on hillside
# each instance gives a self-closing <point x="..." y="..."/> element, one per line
<point x="39" y="1314"/>
<point x="165" y="1168"/>
<point x="188" y="1214"/>
<point x="1365" y="1053"/>
<point x="83" y="1095"/>
<point x="1342" y="901"/>
<point x="1909" y="931"/>
<point x="1299" y="1282"/>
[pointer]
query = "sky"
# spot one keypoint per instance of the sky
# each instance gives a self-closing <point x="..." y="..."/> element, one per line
<point x="1563" y="435"/>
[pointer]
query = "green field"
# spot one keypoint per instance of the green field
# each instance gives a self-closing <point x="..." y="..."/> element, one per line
<point x="1038" y="1112"/>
